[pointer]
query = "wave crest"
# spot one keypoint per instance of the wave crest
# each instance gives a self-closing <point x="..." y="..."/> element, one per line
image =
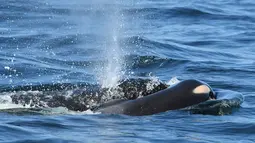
<point x="227" y="101"/>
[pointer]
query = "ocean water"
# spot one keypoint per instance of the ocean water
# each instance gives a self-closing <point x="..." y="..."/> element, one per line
<point x="67" y="49"/>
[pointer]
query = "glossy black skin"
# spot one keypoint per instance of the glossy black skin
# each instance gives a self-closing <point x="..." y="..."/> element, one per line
<point x="179" y="96"/>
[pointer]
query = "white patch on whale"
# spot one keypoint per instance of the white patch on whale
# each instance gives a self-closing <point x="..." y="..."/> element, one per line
<point x="201" y="89"/>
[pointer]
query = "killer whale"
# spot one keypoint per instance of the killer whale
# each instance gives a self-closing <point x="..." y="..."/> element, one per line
<point x="181" y="95"/>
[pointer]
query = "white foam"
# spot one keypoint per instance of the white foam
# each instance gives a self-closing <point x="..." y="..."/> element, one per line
<point x="154" y="82"/>
<point x="6" y="103"/>
<point x="89" y="112"/>
<point x="7" y="68"/>
<point x="173" y="81"/>
<point x="11" y="106"/>
<point x="64" y="110"/>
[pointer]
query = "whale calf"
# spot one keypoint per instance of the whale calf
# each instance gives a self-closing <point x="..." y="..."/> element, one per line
<point x="181" y="95"/>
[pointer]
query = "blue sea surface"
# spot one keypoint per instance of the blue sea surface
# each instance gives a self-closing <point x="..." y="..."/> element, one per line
<point x="49" y="43"/>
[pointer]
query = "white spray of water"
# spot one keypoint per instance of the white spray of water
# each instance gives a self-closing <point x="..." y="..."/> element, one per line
<point x="173" y="81"/>
<point x="113" y="71"/>
<point x="104" y="20"/>
<point x="6" y="102"/>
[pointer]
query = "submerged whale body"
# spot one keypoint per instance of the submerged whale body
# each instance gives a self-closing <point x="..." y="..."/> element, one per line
<point x="181" y="95"/>
<point x="80" y="97"/>
<point x="130" y="97"/>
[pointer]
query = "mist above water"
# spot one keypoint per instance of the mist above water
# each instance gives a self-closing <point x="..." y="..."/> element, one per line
<point x="101" y="26"/>
<point x="113" y="70"/>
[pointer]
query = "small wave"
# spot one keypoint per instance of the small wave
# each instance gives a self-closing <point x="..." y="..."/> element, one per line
<point x="226" y="102"/>
<point x="144" y="42"/>
<point x="155" y="13"/>
<point x="31" y="6"/>
<point x="61" y="41"/>
<point x="175" y="49"/>
<point x="144" y="47"/>
<point x="20" y="40"/>
<point x="135" y="61"/>
<point x="200" y="67"/>
<point x="186" y="12"/>
<point x="71" y="63"/>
